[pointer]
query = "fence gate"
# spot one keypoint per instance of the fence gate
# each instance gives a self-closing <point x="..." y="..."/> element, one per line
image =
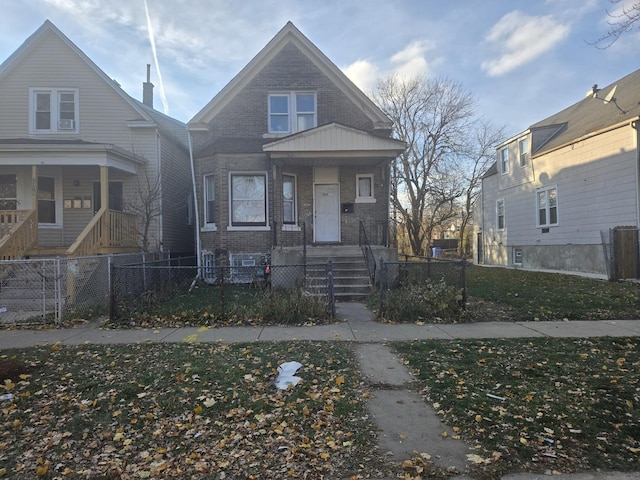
<point x="625" y="248"/>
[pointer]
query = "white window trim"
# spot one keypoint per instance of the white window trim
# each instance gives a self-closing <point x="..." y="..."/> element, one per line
<point x="252" y="228"/>
<point x="514" y="256"/>
<point x="54" y="110"/>
<point x="504" y="214"/>
<point x="504" y="163"/>
<point x="523" y="156"/>
<point x="548" y="224"/>
<point x="292" y="125"/>
<point x="291" y="227"/>
<point x="208" y="227"/>
<point x="372" y="198"/>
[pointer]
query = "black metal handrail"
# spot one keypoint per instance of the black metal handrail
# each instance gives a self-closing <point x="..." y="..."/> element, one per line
<point x="365" y="246"/>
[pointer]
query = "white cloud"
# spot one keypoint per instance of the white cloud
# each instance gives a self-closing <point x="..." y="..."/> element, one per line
<point x="522" y="38"/>
<point x="363" y="73"/>
<point x="408" y="62"/>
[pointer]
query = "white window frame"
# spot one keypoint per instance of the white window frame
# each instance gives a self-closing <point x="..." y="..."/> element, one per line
<point x="56" y="123"/>
<point x="523" y="150"/>
<point x="292" y="112"/>
<point x="500" y="203"/>
<point x="291" y="226"/>
<point x="208" y="226"/>
<point x="517" y="256"/>
<point x="256" y="226"/>
<point x="547" y="207"/>
<point x="363" y="198"/>
<point x="504" y="160"/>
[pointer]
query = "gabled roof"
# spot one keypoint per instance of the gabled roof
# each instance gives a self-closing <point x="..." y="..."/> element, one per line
<point x="613" y="105"/>
<point x="335" y="138"/>
<point x="290" y="34"/>
<point x="38" y="36"/>
<point x="168" y="125"/>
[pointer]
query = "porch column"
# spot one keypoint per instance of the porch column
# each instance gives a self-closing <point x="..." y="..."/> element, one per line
<point x="104" y="205"/>
<point x="34" y="202"/>
<point x="34" y="188"/>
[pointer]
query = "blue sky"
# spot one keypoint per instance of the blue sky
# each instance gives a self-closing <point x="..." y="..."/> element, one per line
<point x="522" y="60"/>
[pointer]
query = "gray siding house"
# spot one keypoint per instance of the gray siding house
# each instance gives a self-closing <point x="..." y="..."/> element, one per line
<point x="80" y="159"/>
<point x="564" y="194"/>
<point x="290" y="154"/>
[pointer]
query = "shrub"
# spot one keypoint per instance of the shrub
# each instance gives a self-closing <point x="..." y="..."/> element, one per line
<point x="290" y="307"/>
<point x="426" y="301"/>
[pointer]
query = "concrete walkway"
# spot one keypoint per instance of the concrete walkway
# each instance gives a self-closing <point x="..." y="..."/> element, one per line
<point x="406" y="423"/>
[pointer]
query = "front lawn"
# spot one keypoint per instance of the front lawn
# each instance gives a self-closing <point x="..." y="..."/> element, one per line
<point x="536" y="405"/>
<point x="503" y="294"/>
<point x="184" y="410"/>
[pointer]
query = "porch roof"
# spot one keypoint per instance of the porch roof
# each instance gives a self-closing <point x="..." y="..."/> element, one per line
<point x="334" y="142"/>
<point x="30" y="151"/>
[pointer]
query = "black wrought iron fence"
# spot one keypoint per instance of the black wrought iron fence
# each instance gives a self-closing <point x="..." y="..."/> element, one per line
<point x="187" y="294"/>
<point x="422" y="275"/>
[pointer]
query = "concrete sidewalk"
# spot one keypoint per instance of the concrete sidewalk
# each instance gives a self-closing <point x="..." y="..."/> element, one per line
<point x="354" y="324"/>
<point x="406" y="423"/>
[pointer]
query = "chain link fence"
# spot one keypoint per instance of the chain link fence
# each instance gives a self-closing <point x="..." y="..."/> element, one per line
<point x="40" y="291"/>
<point x="421" y="271"/>
<point x="172" y="292"/>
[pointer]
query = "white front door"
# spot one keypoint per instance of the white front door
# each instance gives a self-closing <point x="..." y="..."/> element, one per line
<point x="326" y="201"/>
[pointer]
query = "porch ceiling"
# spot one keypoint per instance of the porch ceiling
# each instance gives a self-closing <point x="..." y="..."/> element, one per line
<point x="26" y="151"/>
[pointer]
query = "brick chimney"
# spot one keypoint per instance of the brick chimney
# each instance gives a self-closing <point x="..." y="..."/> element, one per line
<point x="147" y="89"/>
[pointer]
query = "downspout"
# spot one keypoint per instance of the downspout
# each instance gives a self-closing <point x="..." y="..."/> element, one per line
<point x="196" y="211"/>
<point x="634" y="126"/>
<point x="160" y="196"/>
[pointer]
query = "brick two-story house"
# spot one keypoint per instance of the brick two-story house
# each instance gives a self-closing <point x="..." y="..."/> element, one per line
<point x="289" y="153"/>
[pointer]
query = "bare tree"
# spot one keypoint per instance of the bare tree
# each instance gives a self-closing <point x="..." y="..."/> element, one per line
<point x="621" y="21"/>
<point x="433" y="116"/>
<point x="478" y="156"/>
<point x="145" y="204"/>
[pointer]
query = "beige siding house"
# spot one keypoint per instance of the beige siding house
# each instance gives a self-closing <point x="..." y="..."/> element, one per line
<point x="291" y="154"/>
<point x="564" y="195"/>
<point x="79" y="158"/>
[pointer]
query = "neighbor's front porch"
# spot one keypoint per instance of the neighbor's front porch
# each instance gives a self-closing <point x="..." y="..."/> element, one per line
<point x="65" y="206"/>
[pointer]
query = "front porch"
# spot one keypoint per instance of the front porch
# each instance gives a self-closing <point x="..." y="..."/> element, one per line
<point x="65" y="199"/>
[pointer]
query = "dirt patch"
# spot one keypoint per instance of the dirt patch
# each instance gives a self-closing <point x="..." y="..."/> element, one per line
<point x="10" y="370"/>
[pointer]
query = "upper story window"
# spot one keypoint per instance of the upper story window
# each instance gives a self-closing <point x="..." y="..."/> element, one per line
<point x="53" y="110"/>
<point x="523" y="150"/>
<point x="292" y="112"/>
<point x="504" y="160"/>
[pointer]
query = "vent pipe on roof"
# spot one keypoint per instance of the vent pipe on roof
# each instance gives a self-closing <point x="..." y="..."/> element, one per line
<point x="147" y="89"/>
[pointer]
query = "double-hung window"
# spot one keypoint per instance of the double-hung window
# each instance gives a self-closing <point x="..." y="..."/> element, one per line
<point x="547" y="206"/>
<point x="291" y="112"/>
<point x="500" y="214"/>
<point x="248" y="202"/>
<point x="504" y="160"/>
<point x="209" y="202"/>
<point x="289" y="199"/>
<point x="523" y="149"/>
<point x="53" y="110"/>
